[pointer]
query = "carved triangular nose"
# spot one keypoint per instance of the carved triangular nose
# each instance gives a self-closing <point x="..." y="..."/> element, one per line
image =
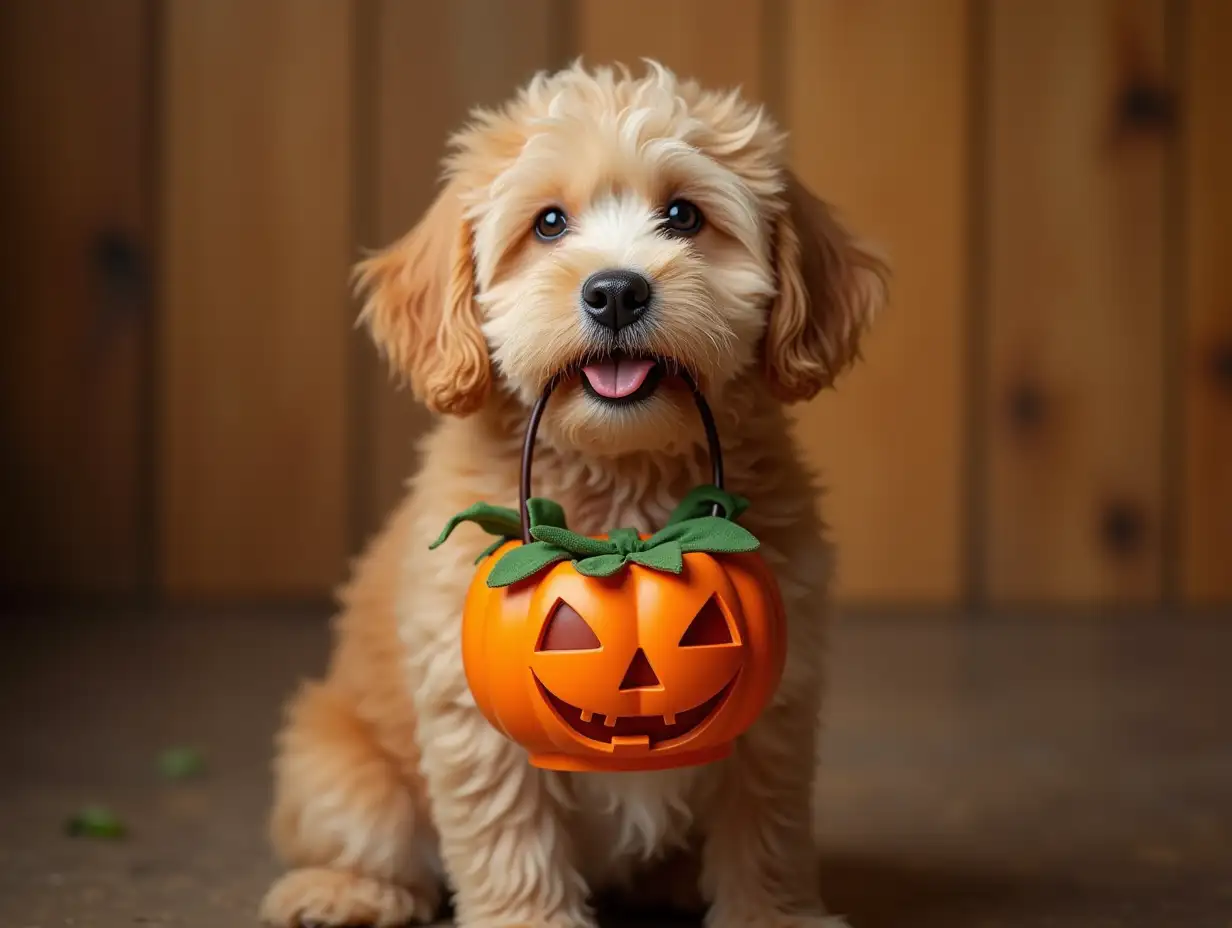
<point x="640" y="674"/>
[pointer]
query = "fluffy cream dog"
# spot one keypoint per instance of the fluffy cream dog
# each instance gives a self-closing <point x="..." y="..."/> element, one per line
<point x="614" y="227"/>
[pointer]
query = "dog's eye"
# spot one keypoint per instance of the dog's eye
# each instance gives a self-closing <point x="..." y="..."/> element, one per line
<point x="551" y="224"/>
<point x="682" y="218"/>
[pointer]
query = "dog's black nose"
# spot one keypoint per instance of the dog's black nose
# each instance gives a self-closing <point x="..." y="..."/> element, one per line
<point x="616" y="298"/>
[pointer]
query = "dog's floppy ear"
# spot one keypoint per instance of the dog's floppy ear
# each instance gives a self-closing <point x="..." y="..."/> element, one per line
<point x="420" y="309"/>
<point x="829" y="289"/>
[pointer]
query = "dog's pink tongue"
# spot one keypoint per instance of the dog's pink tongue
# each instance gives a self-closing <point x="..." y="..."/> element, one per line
<point x="617" y="378"/>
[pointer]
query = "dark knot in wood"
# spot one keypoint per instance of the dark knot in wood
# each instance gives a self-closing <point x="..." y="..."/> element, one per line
<point x="1027" y="406"/>
<point x="1122" y="527"/>
<point x="1221" y="365"/>
<point x="1146" y="107"/>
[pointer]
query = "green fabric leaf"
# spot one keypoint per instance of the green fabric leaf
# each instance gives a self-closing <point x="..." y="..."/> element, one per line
<point x="666" y="557"/>
<point x="624" y="540"/>
<point x="545" y="512"/>
<point x="716" y="535"/>
<point x="699" y="503"/>
<point x="710" y="534"/>
<point x="691" y="528"/>
<point x="580" y="545"/>
<point x="495" y="520"/>
<point x="673" y="532"/>
<point x="602" y="565"/>
<point x="525" y="561"/>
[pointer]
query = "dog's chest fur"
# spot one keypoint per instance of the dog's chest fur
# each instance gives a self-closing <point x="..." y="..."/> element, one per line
<point x="635" y="492"/>
<point x="623" y="820"/>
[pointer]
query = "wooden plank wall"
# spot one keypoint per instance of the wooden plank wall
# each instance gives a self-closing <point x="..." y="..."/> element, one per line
<point x="257" y="238"/>
<point x="75" y="241"/>
<point x="866" y="83"/>
<point x="721" y="43"/>
<point x="1076" y="303"/>
<point x="1206" y="344"/>
<point x="1043" y="412"/>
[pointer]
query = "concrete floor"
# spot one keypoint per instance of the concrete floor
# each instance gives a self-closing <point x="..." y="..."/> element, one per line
<point x="1036" y="772"/>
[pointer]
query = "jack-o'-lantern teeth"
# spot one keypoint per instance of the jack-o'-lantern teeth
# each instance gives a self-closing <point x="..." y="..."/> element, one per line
<point x="634" y="730"/>
<point x="609" y="721"/>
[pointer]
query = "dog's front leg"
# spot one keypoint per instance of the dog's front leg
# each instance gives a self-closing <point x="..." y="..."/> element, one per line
<point x="503" y="839"/>
<point x="759" y="861"/>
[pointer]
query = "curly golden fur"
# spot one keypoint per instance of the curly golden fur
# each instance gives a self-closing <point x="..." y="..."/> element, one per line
<point x="390" y="786"/>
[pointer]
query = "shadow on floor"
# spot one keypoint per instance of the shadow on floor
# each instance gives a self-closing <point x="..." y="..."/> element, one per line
<point x="880" y="893"/>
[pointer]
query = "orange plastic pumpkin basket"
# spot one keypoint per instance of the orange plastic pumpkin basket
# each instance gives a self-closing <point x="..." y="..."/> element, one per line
<point x="622" y="651"/>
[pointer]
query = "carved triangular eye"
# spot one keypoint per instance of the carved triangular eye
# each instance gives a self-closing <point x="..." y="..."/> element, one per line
<point x="708" y="627"/>
<point x="567" y="631"/>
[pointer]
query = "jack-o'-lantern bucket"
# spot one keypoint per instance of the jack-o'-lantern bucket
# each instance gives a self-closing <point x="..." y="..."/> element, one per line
<point x="622" y="651"/>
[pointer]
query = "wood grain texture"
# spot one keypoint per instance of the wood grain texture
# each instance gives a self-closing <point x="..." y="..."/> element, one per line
<point x="1206" y="536"/>
<point x="257" y="225"/>
<point x="1074" y="417"/>
<point x="74" y="234"/>
<point x="433" y="62"/>
<point x="717" y="42"/>
<point x="877" y="104"/>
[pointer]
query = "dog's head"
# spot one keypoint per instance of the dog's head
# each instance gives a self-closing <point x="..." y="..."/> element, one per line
<point x="611" y="230"/>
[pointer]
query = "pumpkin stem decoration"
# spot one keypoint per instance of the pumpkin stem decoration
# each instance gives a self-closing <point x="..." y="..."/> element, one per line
<point x="688" y="530"/>
<point x="623" y="651"/>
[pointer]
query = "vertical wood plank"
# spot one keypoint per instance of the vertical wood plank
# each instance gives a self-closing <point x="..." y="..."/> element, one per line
<point x="877" y="104"/>
<point x="1207" y="360"/>
<point x="258" y="232"/>
<point x="469" y="53"/>
<point x="74" y="237"/>
<point x="1074" y="415"/>
<point x="717" y="42"/>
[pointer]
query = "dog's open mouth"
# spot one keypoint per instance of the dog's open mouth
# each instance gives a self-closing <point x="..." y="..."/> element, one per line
<point x="634" y="730"/>
<point x="619" y="379"/>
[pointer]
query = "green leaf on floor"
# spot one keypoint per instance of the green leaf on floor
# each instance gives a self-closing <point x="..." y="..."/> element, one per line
<point x="181" y="763"/>
<point x="95" y="822"/>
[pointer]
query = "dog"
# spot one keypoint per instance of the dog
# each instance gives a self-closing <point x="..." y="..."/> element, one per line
<point x="614" y="229"/>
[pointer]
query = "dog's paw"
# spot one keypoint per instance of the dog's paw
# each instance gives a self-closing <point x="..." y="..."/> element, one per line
<point x="321" y="898"/>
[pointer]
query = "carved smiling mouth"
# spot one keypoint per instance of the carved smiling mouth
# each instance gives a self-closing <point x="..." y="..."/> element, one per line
<point x="633" y="730"/>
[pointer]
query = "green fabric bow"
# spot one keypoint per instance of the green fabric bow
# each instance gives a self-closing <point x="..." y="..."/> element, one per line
<point x="690" y="528"/>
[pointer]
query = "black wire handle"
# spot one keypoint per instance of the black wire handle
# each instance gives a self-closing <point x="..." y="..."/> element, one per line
<point x="532" y="429"/>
